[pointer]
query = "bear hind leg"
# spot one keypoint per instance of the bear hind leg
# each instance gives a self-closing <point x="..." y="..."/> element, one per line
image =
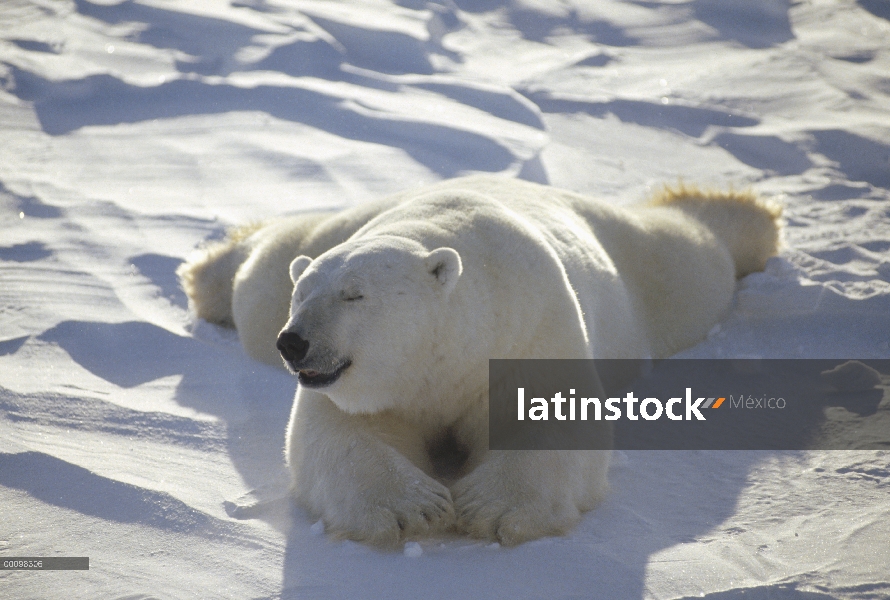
<point x="208" y="275"/>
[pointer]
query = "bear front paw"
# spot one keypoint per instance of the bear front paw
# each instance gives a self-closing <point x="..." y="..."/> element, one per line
<point x="395" y="508"/>
<point x="511" y="510"/>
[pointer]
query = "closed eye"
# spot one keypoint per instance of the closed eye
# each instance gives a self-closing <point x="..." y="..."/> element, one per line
<point x="350" y="296"/>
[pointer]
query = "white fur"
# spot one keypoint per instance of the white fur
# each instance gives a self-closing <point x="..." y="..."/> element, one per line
<point x="417" y="292"/>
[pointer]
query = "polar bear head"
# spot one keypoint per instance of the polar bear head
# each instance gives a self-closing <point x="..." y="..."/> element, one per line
<point x="365" y="317"/>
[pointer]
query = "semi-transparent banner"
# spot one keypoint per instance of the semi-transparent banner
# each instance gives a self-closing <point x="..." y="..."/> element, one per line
<point x="689" y="404"/>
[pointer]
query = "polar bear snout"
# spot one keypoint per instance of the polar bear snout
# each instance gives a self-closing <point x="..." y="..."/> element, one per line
<point x="319" y="370"/>
<point x="292" y="347"/>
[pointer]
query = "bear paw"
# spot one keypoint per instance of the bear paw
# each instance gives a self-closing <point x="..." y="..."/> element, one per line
<point x="509" y="510"/>
<point x="398" y="506"/>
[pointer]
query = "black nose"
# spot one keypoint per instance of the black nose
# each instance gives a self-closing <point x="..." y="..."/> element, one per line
<point x="292" y="346"/>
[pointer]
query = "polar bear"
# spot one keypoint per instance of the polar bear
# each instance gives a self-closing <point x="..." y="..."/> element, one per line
<point x="397" y="306"/>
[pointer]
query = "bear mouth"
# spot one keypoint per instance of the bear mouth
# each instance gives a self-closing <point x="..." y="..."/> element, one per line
<point x="316" y="379"/>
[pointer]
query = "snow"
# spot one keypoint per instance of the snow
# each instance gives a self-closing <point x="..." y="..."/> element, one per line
<point x="132" y="131"/>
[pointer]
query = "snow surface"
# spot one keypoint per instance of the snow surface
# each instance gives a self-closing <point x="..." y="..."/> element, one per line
<point x="131" y="131"/>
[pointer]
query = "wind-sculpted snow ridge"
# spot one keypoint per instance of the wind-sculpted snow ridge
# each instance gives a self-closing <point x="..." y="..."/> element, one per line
<point x="88" y="415"/>
<point x="42" y="476"/>
<point x="131" y="131"/>
<point x="430" y="118"/>
<point x="424" y="124"/>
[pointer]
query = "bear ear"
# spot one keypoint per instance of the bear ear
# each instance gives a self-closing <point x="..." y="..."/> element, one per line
<point x="297" y="266"/>
<point x="445" y="265"/>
